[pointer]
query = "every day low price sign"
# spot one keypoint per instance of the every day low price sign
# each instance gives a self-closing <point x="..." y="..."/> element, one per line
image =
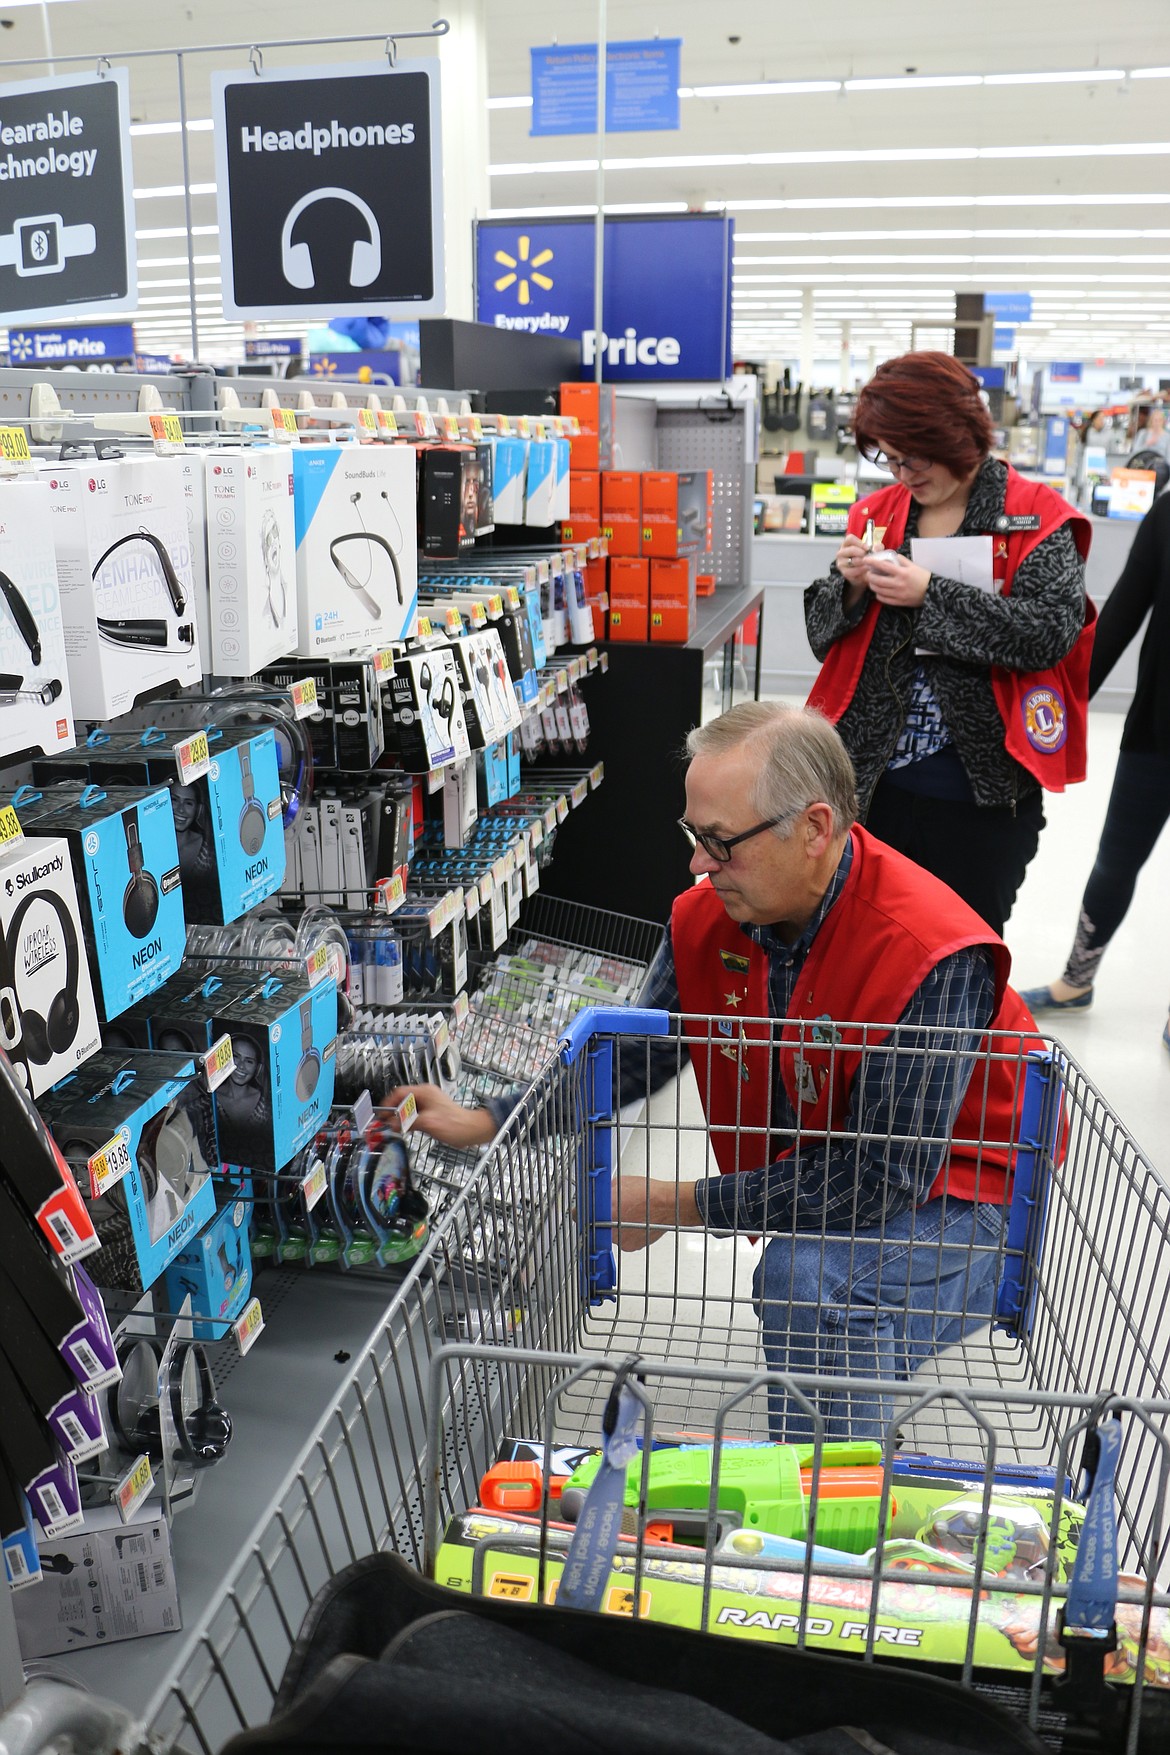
<point x="66" y="212"/>
<point x="667" y="295"/>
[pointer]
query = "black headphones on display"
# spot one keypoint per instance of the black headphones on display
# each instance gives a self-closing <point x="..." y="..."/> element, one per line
<point x="140" y="903"/>
<point x="361" y="586"/>
<point x="13" y="687"/>
<point x="253" y="822"/>
<point x="309" y="1068"/>
<point x="203" y="1432"/>
<point x="147" y="631"/>
<point x="54" y="1033"/>
<point x="293" y="737"/>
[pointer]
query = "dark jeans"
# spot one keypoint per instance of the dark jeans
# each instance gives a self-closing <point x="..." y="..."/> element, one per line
<point x="1139" y="806"/>
<point x="981" y="851"/>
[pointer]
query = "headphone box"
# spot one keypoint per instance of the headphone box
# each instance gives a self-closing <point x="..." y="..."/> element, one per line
<point x="320" y="721"/>
<point x="124" y="567"/>
<point x="357" y="562"/>
<point x="195" y="506"/>
<point x="357" y="714"/>
<point x="251" y="557"/>
<point x="509" y="479"/>
<point x="594" y="405"/>
<point x="214" y="1270"/>
<point x="36" y="1171"/>
<point x="158" y="1110"/>
<point x="126" y="860"/>
<point x="48" y="1016"/>
<point x="284" y="1043"/>
<point x="428" y="709"/>
<point x="36" y="709"/>
<point x="541" y="495"/>
<point x="229" y="827"/>
<point x="134" y="1591"/>
<point x="448" y="505"/>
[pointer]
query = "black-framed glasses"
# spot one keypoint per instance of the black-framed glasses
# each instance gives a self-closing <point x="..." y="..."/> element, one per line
<point x="719" y="846"/>
<point x="895" y="465"/>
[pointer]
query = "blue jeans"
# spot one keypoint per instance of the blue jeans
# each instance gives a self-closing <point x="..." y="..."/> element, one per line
<point x="876" y="1304"/>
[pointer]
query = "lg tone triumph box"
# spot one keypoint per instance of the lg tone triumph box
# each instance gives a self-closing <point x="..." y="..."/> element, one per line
<point x="357" y="563"/>
<point x="123" y="562"/>
<point x="251" y="559"/>
<point x="36" y="711"/>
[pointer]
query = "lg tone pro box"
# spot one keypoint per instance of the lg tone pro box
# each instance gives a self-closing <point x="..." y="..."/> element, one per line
<point x="36" y="711"/>
<point x="251" y="559"/>
<point x="357" y="561"/>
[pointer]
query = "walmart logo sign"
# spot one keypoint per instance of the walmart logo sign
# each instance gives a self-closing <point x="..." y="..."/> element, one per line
<point x="522" y="270"/>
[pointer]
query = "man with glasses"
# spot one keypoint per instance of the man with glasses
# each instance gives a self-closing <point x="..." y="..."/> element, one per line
<point x="873" y="1163"/>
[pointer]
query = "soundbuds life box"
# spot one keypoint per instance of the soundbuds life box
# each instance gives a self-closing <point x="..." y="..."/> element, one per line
<point x="126" y="861"/>
<point x="36" y="708"/>
<point x="284" y="1044"/>
<point x="230" y="830"/>
<point x="251" y="558"/>
<point x="48" y="1015"/>
<point x="356" y="557"/>
<point x="124" y="567"/>
<point x="153" y="1114"/>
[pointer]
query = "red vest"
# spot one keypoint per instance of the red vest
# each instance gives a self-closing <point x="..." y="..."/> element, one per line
<point x="892" y="923"/>
<point x="1044" y="712"/>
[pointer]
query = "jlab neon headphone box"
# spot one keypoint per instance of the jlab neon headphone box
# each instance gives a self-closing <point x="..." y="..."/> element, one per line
<point x="36" y="711"/>
<point x="214" y="1270"/>
<point x="251" y="557"/>
<point x="229" y="827"/>
<point x="284" y="1043"/>
<point x="126" y="861"/>
<point x="144" y="1123"/>
<point x="123" y="562"/>
<point x="356" y="556"/>
<point x="48" y="1018"/>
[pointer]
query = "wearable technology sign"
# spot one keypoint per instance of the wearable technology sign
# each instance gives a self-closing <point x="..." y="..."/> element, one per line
<point x="667" y="294"/>
<point x="641" y="87"/>
<point x="330" y="190"/>
<point x="66" y="212"/>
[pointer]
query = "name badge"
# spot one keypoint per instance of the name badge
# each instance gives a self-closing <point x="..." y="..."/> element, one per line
<point x="1021" y="521"/>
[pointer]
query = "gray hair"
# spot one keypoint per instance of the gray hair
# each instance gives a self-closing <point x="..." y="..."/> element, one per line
<point x="802" y="759"/>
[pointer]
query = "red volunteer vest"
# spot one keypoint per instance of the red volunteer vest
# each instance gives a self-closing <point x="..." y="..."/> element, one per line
<point x="892" y="923"/>
<point x="1044" y="712"/>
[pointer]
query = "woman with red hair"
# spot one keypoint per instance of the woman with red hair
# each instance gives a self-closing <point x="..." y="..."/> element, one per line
<point x="957" y="703"/>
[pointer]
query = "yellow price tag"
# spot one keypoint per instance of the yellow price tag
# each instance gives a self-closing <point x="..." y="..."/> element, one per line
<point x="193" y="758"/>
<point x="14" y="445"/>
<point x="562" y="808"/>
<point x="512" y="597"/>
<point x="319" y="963"/>
<point x="313" y="1186"/>
<point x="10" y="829"/>
<point x="579" y="793"/>
<point x="304" y="697"/>
<point x="550" y="819"/>
<point x="425" y="629"/>
<point x="454" y="620"/>
<point x="460" y="1009"/>
<point x="387" y="423"/>
<point x="383" y="662"/>
<point x="562" y="681"/>
<point x="503" y="426"/>
<point x="390" y="892"/>
<point x="284" y="420"/>
<point x="249" y="1326"/>
<point x="135" y="1486"/>
<point x="450" y="426"/>
<point x="597" y="775"/>
<point x="366" y="420"/>
<point x="219" y="1062"/>
<point x="495" y="604"/>
<point x="166" y="431"/>
<point x="406" y="1114"/>
<point x="110" y="1164"/>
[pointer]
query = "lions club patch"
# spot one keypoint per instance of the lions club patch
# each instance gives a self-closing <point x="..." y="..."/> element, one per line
<point x="1045" y="719"/>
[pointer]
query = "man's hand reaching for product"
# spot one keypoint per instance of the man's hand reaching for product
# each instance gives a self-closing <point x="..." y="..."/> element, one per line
<point x="644" y="1210"/>
<point x="440" y="1117"/>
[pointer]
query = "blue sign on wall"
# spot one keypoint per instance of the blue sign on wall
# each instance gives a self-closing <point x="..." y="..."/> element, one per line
<point x="71" y="346"/>
<point x="641" y="87"/>
<point x="1010" y="307"/>
<point x="273" y="347"/>
<point x="358" y="364"/>
<point x="1064" y="372"/>
<point x="667" y="295"/>
<point x="1004" y="339"/>
<point x="155" y="362"/>
<point x="990" y="377"/>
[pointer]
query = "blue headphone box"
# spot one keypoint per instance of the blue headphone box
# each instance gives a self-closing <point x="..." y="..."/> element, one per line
<point x="126" y="859"/>
<point x="158" y="1108"/>
<point x="281" y="1089"/>
<point x="48" y="1017"/>
<point x="229" y="827"/>
<point x="214" y="1270"/>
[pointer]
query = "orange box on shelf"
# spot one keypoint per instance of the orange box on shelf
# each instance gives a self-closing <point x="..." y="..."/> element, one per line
<point x="661" y="530"/>
<point x="584" y="518"/>
<point x="629" y="623"/>
<point x="672" y="600"/>
<point x="621" y="511"/>
<point x="704" y="584"/>
<point x="593" y="405"/>
<point x="629" y="580"/>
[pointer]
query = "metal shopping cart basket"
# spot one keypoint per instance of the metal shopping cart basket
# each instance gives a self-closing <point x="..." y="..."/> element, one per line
<point x="511" y="1349"/>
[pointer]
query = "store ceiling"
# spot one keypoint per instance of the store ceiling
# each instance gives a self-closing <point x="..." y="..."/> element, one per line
<point x="882" y="201"/>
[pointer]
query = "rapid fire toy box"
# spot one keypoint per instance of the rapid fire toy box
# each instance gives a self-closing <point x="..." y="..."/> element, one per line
<point x="279" y="1093"/>
<point x="676" y="512"/>
<point x="672" y="600"/>
<point x="145" y="1122"/>
<point x="594" y="406"/>
<point x="36" y="711"/>
<point x="251" y="558"/>
<point x="126" y="861"/>
<point x="629" y="599"/>
<point x="229" y="828"/>
<point x="621" y="511"/>
<point x="123" y="562"/>
<point x="214" y="1270"/>
<point x="48" y="1019"/>
<point x="357" y="564"/>
<point x="584" y="518"/>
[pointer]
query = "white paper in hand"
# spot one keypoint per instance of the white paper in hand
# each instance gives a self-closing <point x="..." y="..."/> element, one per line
<point x="965" y="558"/>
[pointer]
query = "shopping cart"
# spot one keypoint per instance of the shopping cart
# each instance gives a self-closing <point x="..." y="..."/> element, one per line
<point x="518" y="1321"/>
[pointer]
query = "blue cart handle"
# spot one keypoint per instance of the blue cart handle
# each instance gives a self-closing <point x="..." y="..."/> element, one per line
<point x="610" y="1021"/>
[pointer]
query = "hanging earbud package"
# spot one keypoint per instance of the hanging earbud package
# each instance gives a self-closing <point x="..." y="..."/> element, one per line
<point x="36" y="712"/>
<point x="251" y="558"/>
<point x="356" y="564"/>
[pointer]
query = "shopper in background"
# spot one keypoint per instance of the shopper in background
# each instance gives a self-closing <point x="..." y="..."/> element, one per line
<point x="884" y="1240"/>
<point x="1139" y="803"/>
<point x="1153" y="436"/>
<point x="957" y="703"/>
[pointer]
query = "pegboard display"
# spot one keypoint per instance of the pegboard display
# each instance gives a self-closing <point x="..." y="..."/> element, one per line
<point x="716" y="439"/>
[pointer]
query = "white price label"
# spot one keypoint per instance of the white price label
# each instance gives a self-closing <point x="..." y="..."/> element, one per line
<point x="304" y="698"/>
<point x="249" y="1326"/>
<point x="219" y="1063"/>
<point x="405" y="1115"/>
<point x="313" y="1185"/>
<point x="460" y="1009"/>
<point x="108" y="1166"/>
<point x="363" y="1112"/>
<point x="579" y="793"/>
<point x="192" y="758"/>
<point x="322" y="963"/>
<point x="134" y="1487"/>
<point x="597" y="775"/>
<point x="389" y="893"/>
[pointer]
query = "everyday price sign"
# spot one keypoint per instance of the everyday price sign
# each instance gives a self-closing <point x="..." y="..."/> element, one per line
<point x="329" y="184"/>
<point x="66" y="212"/>
<point x="667" y="294"/>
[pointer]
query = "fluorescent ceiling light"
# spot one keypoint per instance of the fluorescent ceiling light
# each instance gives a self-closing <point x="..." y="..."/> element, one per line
<point x="177" y="231"/>
<point x="202" y="125"/>
<point x="761" y="88"/>
<point x="509" y="103"/>
<point x="916" y="81"/>
<point x="587" y="210"/>
<point x="947" y="234"/>
<point x="1093" y="76"/>
<point x="877" y="155"/>
<point x="991" y="259"/>
<point x="162" y="190"/>
<point x="1150" y="73"/>
<point x="805" y="202"/>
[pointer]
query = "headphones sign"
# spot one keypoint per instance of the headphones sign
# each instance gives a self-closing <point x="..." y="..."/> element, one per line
<point x="329" y="186"/>
<point x="66" y="210"/>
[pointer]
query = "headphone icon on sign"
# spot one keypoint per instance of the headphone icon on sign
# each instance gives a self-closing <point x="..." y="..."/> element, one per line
<point x="296" y="260"/>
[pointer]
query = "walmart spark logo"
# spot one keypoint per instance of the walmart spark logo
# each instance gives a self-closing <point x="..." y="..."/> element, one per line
<point x="20" y="345"/>
<point x="522" y="270"/>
